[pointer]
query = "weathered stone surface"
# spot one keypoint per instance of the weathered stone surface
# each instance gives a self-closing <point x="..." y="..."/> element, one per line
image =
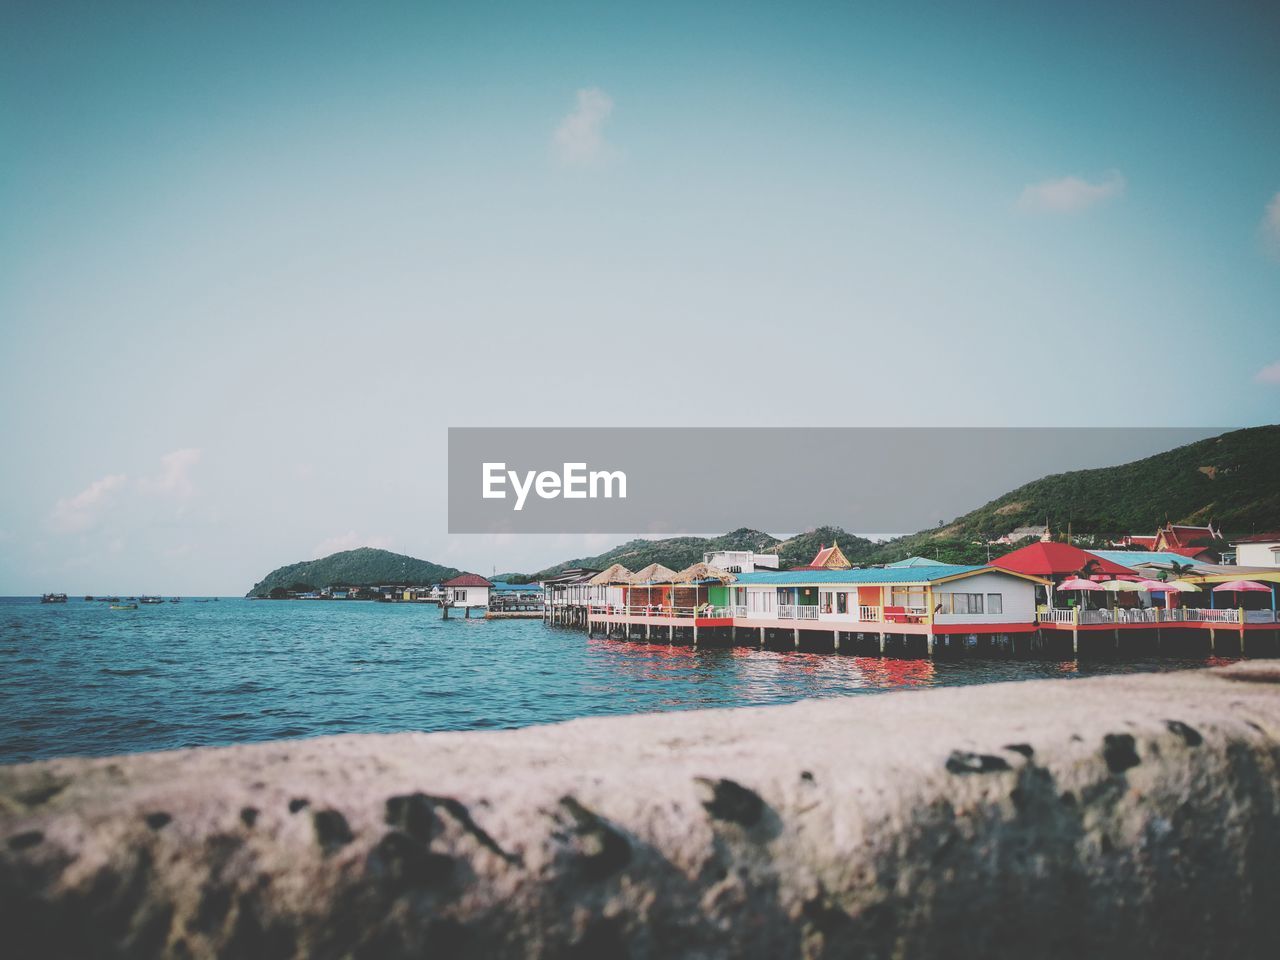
<point x="1115" y="817"/>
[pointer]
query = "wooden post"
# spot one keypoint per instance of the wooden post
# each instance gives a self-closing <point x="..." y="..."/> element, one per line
<point x="837" y="644"/>
<point x="882" y="643"/>
<point x="796" y="636"/>
<point x="762" y="638"/>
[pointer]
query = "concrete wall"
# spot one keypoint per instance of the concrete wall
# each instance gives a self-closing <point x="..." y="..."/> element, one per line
<point x="1113" y="817"/>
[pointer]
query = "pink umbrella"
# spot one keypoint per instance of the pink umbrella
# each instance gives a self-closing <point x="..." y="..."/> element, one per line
<point x="1158" y="586"/>
<point x="1075" y="583"/>
<point x="1240" y="586"/>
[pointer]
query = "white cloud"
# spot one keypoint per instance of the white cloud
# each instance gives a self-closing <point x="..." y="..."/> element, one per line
<point x="78" y="513"/>
<point x="1270" y="228"/>
<point x="579" y="139"/>
<point x="349" y="541"/>
<point x="174" y="478"/>
<point x="1070" y="194"/>
<point x="1270" y="375"/>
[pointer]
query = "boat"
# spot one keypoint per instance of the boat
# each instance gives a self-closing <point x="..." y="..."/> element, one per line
<point x="53" y="598"/>
<point x="149" y="600"/>
<point x="124" y="606"/>
<point x="88" y="597"/>
<point x="175" y="599"/>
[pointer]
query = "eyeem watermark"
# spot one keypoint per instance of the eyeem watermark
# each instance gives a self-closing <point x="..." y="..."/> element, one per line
<point x="575" y="482"/>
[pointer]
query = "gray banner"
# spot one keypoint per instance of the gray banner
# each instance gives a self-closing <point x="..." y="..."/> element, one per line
<point x="781" y="480"/>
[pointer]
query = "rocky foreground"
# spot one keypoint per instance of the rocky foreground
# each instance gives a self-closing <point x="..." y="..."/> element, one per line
<point x="1114" y="817"/>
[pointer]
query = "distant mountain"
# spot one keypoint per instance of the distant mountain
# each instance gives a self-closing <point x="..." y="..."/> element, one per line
<point x="673" y="552"/>
<point x="364" y="567"/>
<point x="1232" y="480"/>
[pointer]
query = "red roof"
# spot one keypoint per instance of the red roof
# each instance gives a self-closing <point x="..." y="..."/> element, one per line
<point x="1272" y="536"/>
<point x="1179" y="535"/>
<point x="467" y="580"/>
<point x="1055" y="560"/>
<point x="1148" y="543"/>
<point x="1189" y="552"/>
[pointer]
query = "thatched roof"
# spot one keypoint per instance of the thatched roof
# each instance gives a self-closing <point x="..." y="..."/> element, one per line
<point x="653" y="573"/>
<point x="615" y="574"/>
<point x="702" y="572"/>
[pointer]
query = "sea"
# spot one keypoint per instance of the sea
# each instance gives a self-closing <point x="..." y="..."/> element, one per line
<point x="81" y="679"/>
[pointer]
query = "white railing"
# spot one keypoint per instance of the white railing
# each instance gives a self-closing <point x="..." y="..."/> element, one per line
<point x="1056" y="616"/>
<point x="786" y="611"/>
<point x="868" y="614"/>
<point x="1152" y="615"/>
<point x="806" y="613"/>
<point x="1137" y="615"/>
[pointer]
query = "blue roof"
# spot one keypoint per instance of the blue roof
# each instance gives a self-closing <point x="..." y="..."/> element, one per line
<point x="937" y="571"/>
<point x="917" y="562"/>
<point x="1127" y="558"/>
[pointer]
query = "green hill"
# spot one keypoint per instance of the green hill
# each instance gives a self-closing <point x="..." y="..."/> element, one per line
<point x="364" y="567"/>
<point x="1232" y="480"/>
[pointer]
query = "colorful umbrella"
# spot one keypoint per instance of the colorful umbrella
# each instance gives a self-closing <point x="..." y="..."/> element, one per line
<point x="1240" y="586"/>
<point x="1121" y="586"/>
<point x="1183" y="586"/>
<point x="1158" y="586"/>
<point x="1075" y="583"/>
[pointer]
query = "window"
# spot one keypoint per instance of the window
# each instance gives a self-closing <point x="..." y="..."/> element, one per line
<point x="459" y="596"/>
<point x="826" y="601"/>
<point x="842" y="603"/>
<point x="995" y="603"/>
<point x="963" y="603"/>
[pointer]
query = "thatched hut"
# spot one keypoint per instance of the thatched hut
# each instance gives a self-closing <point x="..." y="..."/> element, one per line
<point x="614" y="574"/>
<point x="700" y="587"/>
<point x="653" y="573"/>
<point x="608" y="587"/>
<point x="703" y="573"/>
<point x="650" y="587"/>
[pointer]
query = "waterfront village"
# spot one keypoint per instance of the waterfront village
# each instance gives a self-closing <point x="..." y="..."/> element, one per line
<point x="1183" y="589"/>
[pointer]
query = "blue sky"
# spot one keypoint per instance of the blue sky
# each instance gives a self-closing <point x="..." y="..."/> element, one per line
<point x="254" y="263"/>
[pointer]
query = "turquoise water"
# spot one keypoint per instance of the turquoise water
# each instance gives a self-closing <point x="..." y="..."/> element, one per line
<point x="82" y="679"/>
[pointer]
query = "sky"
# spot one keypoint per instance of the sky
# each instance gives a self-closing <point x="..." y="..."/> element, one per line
<point x="256" y="259"/>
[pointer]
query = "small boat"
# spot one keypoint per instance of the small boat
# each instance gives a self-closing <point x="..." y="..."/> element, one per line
<point x="88" y="597"/>
<point x="53" y="598"/>
<point x="175" y="599"/>
<point x="124" y="606"/>
<point x="149" y="600"/>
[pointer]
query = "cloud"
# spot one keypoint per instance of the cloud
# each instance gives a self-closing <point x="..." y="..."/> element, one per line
<point x="579" y="139"/>
<point x="78" y="513"/>
<point x="1070" y="194"/>
<point x="1269" y="229"/>
<point x="174" y="479"/>
<point x="1270" y="375"/>
<point x="349" y="541"/>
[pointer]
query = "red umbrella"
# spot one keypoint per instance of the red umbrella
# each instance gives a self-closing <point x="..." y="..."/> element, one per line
<point x="1240" y="586"/>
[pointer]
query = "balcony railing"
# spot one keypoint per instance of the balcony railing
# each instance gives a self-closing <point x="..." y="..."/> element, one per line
<point x="786" y="611"/>
<point x="1153" y="615"/>
<point x="806" y="613"/>
<point x="868" y="614"/>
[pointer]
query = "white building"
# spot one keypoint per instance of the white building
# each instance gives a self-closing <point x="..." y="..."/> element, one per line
<point x="1260" y="550"/>
<point x="467" y="590"/>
